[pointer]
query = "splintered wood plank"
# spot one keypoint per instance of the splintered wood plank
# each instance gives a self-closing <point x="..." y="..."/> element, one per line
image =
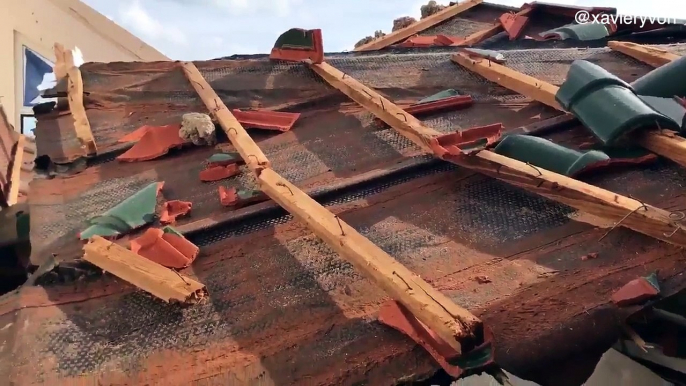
<point x="451" y="322"/>
<point x="419" y="26"/>
<point x="434" y="309"/>
<point x="15" y="174"/>
<point x="251" y="153"/>
<point x="624" y="211"/>
<point x="78" y="111"/>
<point x="387" y="111"/>
<point x="147" y="275"/>
<point x="543" y="92"/>
<point x="653" y="56"/>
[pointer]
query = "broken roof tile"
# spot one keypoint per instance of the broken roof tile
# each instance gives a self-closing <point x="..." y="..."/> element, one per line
<point x="130" y="214"/>
<point x="173" y="209"/>
<point x="418" y="41"/>
<point x="670" y="107"/>
<point x="605" y="104"/>
<point x="549" y="155"/>
<point x="235" y="198"/>
<point x="513" y="24"/>
<point x="448" y="41"/>
<point x="265" y="119"/>
<point x="439" y="95"/>
<point x="665" y="81"/>
<point x="224" y="159"/>
<point x="153" y="143"/>
<point x="166" y="247"/>
<point x="298" y="44"/>
<point x="581" y="32"/>
<point x="466" y="141"/>
<point x="216" y="173"/>
<point x="636" y="291"/>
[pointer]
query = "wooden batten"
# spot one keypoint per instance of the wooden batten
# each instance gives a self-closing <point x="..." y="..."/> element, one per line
<point x="653" y="56"/>
<point x="544" y="92"/>
<point x="15" y="173"/>
<point x="64" y="66"/>
<point x="602" y="203"/>
<point x="251" y="153"/>
<point x="145" y="274"/>
<point x="449" y="321"/>
<point x="419" y="26"/>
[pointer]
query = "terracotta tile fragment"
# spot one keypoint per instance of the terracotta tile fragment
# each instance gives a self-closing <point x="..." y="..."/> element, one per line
<point x="234" y="198"/>
<point x="266" y="119"/>
<point x="173" y="209"/>
<point x="154" y="143"/>
<point x="590" y="256"/>
<point x="217" y="173"/>
<point x="634" y="292"/>
<point x="483" y="279"/>
<point x="168" y="249"/>
<point x="391" y="314"/>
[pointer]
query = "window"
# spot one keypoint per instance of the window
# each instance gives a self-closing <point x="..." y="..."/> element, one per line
<point x="28" y="125"/>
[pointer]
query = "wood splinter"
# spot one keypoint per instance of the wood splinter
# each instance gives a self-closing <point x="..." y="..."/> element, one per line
<point x="164" y="283"/>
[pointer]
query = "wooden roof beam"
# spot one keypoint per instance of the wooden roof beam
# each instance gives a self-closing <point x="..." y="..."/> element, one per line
<point x="15" y="173"/>
<point x="656" y="141"/>
<point x="626" y="212"/>
<point x="653" y="56"/>
<point x="451" y="322"/>
<point x="65" y="66"/>
<point x="419" y="26"/>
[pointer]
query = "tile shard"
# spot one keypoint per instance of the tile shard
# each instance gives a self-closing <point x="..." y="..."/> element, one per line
<point x="225" y="159"/>
<point x="396" y="316"/>
<point x="173" y="209"/>
<point x="216" y="173"/>
<point x="513" y="24"/>
<point x="153" y="142"/>
<point x="164" y="283"/>
<point x="468" y="141"/>
<point x="130" y="214"/>
<point x="234" y="198"/>
<point x="581" y="32"/>
<point x="166" y="247"/>
<point x="265" y="119"/>
<point x="637" y="291"/>
<point x="298" y="44"/>
<point x="607" y="105"/>
<point x="549" y="155"/>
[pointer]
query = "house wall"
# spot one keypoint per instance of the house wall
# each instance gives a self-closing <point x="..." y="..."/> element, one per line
<point x="39" y="24"/>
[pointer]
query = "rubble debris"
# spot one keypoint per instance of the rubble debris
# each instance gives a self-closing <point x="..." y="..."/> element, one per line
<point x="265" y="119"/>
<point x="173" y="209"/>
<point x="198" y="128"/>
<point x="297" y="44"/>
<point x="153" y="142"/>
<point x="130" y="214"/>
<point x="216" y="173"/>
<point x="513" y="24"/>
<point x="236" y="199"/>
<point x="466" y="141"/>
<point x="162" y="282"/>
<point x="590" y="256"/>
<point x="166" y="247"/>
<point x="395" y="315"/>
<point x="449" y="41"/>
<point x="483" y="279"/>
<point x="637" y="291"/>
<point x="224" y="159"/>
<point x="402" y="22"/>
<point x="430" y="8"/>
<point x="366" y="40"/>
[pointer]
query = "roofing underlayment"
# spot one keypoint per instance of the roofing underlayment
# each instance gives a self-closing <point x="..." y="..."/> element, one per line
<point x="283" y="307"/>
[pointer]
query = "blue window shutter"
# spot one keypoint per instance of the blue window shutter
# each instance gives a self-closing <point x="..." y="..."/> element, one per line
<point x="34" y="71"/>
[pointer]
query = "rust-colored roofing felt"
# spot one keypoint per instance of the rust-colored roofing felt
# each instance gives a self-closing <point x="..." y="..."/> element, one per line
<point x="283" y="307"/>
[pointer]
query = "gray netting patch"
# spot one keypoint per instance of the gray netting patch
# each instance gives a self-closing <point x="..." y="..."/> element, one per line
<point x="411" y="246"/>
<point x="670" y="177"/>
<point x="552" y="65"/>
<point x="497" y="212"/>
<point x="398" y="142"/>
<point x="98" y="199"/>
<point x="456" y="26"/>
<point x="319" y="260"/>
<point x="678" y="49"/>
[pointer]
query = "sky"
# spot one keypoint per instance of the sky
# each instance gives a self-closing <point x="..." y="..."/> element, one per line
<point x="208" y="29"/>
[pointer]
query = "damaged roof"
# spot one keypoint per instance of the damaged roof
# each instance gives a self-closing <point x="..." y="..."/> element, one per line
<point x="282" y="306"/>
<point x="477" y="23"/>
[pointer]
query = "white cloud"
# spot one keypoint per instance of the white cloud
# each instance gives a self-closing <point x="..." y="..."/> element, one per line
<point x="243" y="7"/>
<point x="136" y="18"/>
